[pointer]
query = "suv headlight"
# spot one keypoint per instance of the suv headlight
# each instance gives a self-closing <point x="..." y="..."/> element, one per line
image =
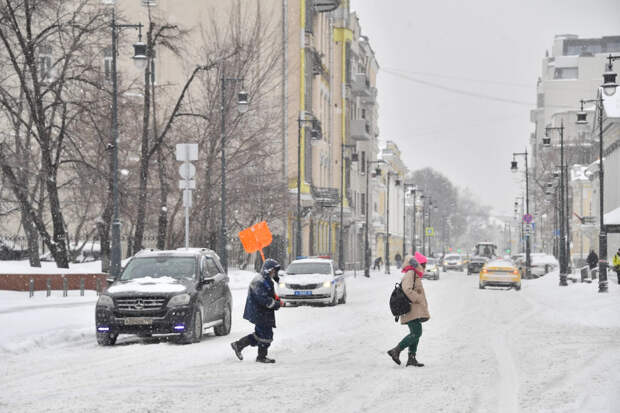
<point x="105" y="301"/>
<point x="327" y="284"/>
<point x="177" y="300"/>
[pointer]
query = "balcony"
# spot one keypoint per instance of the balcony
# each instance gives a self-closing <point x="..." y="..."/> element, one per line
<point x="360" y="129"/>
<point x="323" y="6"/>
<point x="360" y="85"/>
<point x="372" y="97"/>
<point x="326" y="197"/>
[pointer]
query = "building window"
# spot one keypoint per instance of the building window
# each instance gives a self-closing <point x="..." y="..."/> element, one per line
<point x="363" y="204"/>
<point x="566" y="73"/>
<point x="363" y="113"/>
<point x="107" y="63"/>
<point x="363" y="159"/>
<point x="45" y="62"/>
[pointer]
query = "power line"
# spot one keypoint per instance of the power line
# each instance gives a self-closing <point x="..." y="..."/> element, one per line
<point x="458" y="91"/>
<point x="492" y="82"/>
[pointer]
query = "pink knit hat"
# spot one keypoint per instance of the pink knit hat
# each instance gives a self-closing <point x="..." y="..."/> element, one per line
<point x="420" y="258"/>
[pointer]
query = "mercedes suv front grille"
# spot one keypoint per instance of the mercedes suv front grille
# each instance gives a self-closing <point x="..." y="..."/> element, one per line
<point x="140" y="303"/>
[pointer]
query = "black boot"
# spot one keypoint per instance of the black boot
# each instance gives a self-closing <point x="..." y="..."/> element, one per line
<point x="239" y="345"/>
<point x="395" y="354"/>
<point x="411" y="361"/>
<point x="262" y="356"/>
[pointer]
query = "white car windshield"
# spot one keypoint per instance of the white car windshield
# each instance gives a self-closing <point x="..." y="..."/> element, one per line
<point x="155" y="267"/>
<point x="431" y="261"/>
<point x="453" y="257"/>
<point x="309" y="268"/>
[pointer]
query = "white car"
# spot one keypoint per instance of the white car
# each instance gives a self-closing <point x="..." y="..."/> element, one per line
<point x="312" y="281"/>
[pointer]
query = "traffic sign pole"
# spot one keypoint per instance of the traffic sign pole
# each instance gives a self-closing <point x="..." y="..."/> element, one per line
<point x="187" y="152"/>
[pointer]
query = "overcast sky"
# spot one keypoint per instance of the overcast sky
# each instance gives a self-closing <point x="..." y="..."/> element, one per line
<point x="482" y="47"/>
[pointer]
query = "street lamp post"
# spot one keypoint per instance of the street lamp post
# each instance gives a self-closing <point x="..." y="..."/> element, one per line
<point x="609" y="89"/>
<point x="423" y="198"/>
<point x="413" y="189"/>
<point x="563" y="201"/>
<point x="314" y="134"/>
<point x="242" y="106"/>
<point x="414" y="234"/>
<point x="430" y="225"/>
<point x="366" y="245"/>
<point x="514" y="168"/>
<point x="387" y="223"/>
<point x="343" y="147"/>
<point x="140" y="60"/>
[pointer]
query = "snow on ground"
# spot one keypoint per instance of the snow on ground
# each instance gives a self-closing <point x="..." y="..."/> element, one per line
<point x="47" y="267"/>
<point x="542" y="349"/>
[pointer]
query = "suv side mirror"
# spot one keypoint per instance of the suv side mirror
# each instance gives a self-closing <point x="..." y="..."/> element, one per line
<point x="110" y="280"/>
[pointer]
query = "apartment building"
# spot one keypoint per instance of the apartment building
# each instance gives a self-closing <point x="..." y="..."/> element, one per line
<point x="572" y="71"/>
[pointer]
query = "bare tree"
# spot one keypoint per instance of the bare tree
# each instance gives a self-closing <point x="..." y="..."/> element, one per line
<point x="44" y="62"/>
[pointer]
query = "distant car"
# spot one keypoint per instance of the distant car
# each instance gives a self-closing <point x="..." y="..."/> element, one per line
<point x="540" y="264"/>
<point x="453" y="262"/>
<point x="475" y="264"/>
<point x="500" y="273"/>
<point x="432" y="269"/>
<point x="174" y="293"/>
<point x="312" y="281"/>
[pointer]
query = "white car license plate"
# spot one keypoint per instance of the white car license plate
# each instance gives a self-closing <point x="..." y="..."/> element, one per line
<point x="138" y="321"/>
<point x="303" y="292"/>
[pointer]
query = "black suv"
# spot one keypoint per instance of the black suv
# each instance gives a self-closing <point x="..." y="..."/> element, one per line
<point x="169" y="293"/>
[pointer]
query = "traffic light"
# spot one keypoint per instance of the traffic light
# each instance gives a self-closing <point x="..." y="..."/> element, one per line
<point x="507" y="250"/>
<point x="459" y="250"/>
<point x="450" y="249"/>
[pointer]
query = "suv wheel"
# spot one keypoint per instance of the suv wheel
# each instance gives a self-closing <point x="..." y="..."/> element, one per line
<point x="195" y="334"/>
<point x="224" y="328"/>
<point x="106" y="339"/>
<point x="481" y="286"/>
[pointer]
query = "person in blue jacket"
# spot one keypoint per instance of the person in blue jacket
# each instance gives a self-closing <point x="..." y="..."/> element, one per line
<point x="260" y="307"/>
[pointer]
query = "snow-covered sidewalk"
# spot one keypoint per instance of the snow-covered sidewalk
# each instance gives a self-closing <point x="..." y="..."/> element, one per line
<point x="542" y="349"/>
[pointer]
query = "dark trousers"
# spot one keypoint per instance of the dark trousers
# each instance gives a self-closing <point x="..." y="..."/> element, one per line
<point x="262" y="337"/>
<point x="413" y="338"/>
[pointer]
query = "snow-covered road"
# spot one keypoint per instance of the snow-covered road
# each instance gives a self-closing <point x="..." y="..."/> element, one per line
<point x="543" y="349"/>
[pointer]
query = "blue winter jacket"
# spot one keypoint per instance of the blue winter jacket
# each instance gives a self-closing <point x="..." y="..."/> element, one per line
<point x="261" y="304"/>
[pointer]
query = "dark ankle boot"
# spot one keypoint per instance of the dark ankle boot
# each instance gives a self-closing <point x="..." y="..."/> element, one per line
<point x="239" y="345"/>
<point x="262" y="356"/>
<point x="395" y="354"/>
<point x="411" y="361"/>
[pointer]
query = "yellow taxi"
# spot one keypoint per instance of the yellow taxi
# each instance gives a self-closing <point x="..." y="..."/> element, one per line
<point x="500" y="273"/>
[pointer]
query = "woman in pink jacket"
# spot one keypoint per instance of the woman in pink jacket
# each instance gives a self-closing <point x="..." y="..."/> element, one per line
<point x="413" y="288"/>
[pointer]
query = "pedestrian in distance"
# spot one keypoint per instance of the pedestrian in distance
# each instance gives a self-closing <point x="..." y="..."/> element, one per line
<point x="378" y="263"/>
<point x="592" y="260"/>
<point x="616" y="264"/>
<point x="398" y="260"/>
<point x="418" y="314"/>
<point x="260" y="306"/>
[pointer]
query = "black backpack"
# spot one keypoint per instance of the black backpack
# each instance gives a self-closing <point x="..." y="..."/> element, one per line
<point x="399" y="302"/>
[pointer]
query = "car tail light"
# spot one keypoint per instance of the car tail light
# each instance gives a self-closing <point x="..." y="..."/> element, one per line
<point x="516" y="272"/>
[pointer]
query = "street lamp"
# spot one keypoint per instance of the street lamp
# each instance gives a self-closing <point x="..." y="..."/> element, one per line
<point x="242" y="107"/>
<point x="140" y="60"/>
<point x="366" y="246"/>
<point x="609" y="89"/>
<point x="563" y="201"/>
<point x="343" y="147"/>
<point x="514" y="168"/>
<point x="423" y="199"/>
<point x="315" y="134"/>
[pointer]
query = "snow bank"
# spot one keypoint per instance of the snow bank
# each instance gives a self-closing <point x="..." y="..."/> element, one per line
<point x="23" y="267"/>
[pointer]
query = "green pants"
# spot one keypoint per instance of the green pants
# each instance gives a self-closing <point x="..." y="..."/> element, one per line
<point x="412" y="339"/>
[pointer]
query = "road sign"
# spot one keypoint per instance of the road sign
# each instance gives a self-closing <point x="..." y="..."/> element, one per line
<point x="430" y="231"/>
<point x="528" y="218"/>
<point x="187" y="184"/>
<point x="187" y="170"/>
<point x="187" y="198"/>
<point x="187" y="152"/>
